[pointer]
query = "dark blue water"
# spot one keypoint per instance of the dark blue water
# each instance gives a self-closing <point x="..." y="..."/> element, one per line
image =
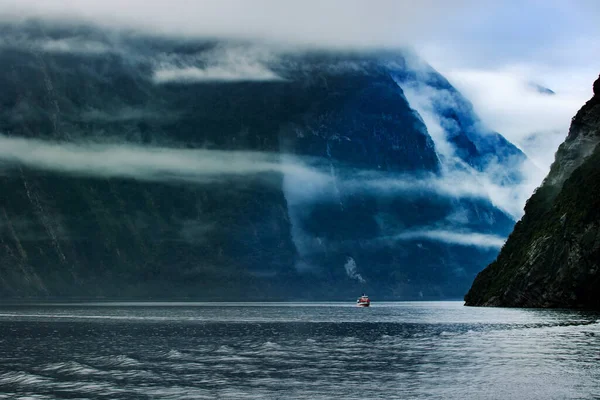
<point x="437" y="350"/>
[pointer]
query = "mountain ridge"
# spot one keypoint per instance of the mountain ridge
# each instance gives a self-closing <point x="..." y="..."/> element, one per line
<point x="232" y="172"/>
<point x="552" y="258"/>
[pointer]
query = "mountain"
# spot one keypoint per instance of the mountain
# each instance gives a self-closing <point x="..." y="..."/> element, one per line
<point x="541" y="89"/>
<point x="552" y="258"/>
<point x="134" y="166"/>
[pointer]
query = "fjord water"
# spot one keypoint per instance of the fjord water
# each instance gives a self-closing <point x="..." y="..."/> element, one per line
<point x="429" y="350"/>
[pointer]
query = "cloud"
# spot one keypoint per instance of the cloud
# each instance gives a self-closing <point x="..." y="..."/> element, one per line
<point x="423" y="98"/>
<point x="226" y="73"/>
<point x="352" y="270"/>
<point x="225" y="63"/>
<point x="506" y="102"/>
<point x="77" y="45"/>
<point x="534" y="121"/>
<point x="304" y="179"/>
<point x="453" y="182"/>
<point x="309" y="22"/>
<point x="454" y="237"/>
<point x="456" y="183"/>
<point x="73" y="45"/>
<point x="475" y="31"/>
<point x="144" y="163"/>
<point x="491" y="51"/>
<point x="505" y="47"/>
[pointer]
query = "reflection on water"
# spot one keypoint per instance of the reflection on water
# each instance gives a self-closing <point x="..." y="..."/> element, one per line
<point x="429" y="350"/>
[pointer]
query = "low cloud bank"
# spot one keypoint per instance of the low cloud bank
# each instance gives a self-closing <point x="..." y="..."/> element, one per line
<point x="144" y="163"/>
<point x="508" y="103"/>
<point x="225" y="63"/>
<point x="458" y="178"/>
<point x="331" y="23"/>
<point x="454" y="237"/>
<point x="73" y="45"/>
<point x="453" y="183"/>
<point x="68" y="45"/>
<point x="226" y="73"/>
<point x="306" y="180"/>
<point x="163" y="164"/>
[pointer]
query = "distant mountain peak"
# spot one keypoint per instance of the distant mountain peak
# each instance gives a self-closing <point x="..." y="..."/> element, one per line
<point x="239" y="171"/>
<point x="541" y="89"/>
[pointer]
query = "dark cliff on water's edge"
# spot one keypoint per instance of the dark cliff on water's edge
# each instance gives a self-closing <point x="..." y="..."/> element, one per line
<point x="552" y="258"/>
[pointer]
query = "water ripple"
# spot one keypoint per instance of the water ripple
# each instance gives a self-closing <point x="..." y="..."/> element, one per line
<point x="421" y="351"/>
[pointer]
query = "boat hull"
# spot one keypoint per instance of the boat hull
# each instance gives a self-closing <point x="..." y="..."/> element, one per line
<point x="363" y="301"/>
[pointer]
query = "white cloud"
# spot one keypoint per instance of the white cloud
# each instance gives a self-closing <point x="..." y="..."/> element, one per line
<point x="144" y="163"/>
<point x="309" y="22"/>
<point x="66" y="45"/>
<point x="455" y="183"/>
<point x="226" y="73"/>
<point x="452" y="237"/>
<point x="226" y="63"/>
<point x="507" y="102"/>
<point x="474" y="31"/>
<point x="467" y="42"/>
<point x="491" y="51"/>
<point x="200" y="165"/>
<point x="72" y="45"/>
<point x="352" y="270"/>
<point x="421" y="98"/>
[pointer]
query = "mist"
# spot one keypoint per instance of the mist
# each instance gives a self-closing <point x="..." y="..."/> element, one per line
<point x="225" y="63"/>
<point x="161" y="164"/>
<point x="465" y="41"/>
<point x="488" y="53"/>
<point x="308" y="179"/>
<point x="330" y="23"/>
<point x="536" y="122"/>
<point x="453" y="183"/>
<point x="215" y="74"/>
<point x="311" y="178"/>
<point x="457" y="178"/>
<point x="457" y="237"/>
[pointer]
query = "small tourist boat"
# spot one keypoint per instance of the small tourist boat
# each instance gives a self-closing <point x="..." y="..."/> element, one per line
<point x="363" y="301"/>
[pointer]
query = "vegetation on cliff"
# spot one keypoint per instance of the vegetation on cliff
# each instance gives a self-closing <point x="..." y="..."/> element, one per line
<point x="552" y="258"/>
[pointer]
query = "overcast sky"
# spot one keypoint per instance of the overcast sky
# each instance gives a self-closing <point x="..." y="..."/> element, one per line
<point x="484" y="32"/>
<point x="489" y="49"/>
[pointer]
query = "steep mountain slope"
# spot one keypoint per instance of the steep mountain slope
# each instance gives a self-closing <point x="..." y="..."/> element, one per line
<point x="552" y="258"/>
<point x="148" y="167"/>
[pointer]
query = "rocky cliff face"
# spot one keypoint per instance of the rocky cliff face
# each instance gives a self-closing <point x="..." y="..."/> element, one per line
<point x="144" y="167"/>
<point x="552" y="258"/>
